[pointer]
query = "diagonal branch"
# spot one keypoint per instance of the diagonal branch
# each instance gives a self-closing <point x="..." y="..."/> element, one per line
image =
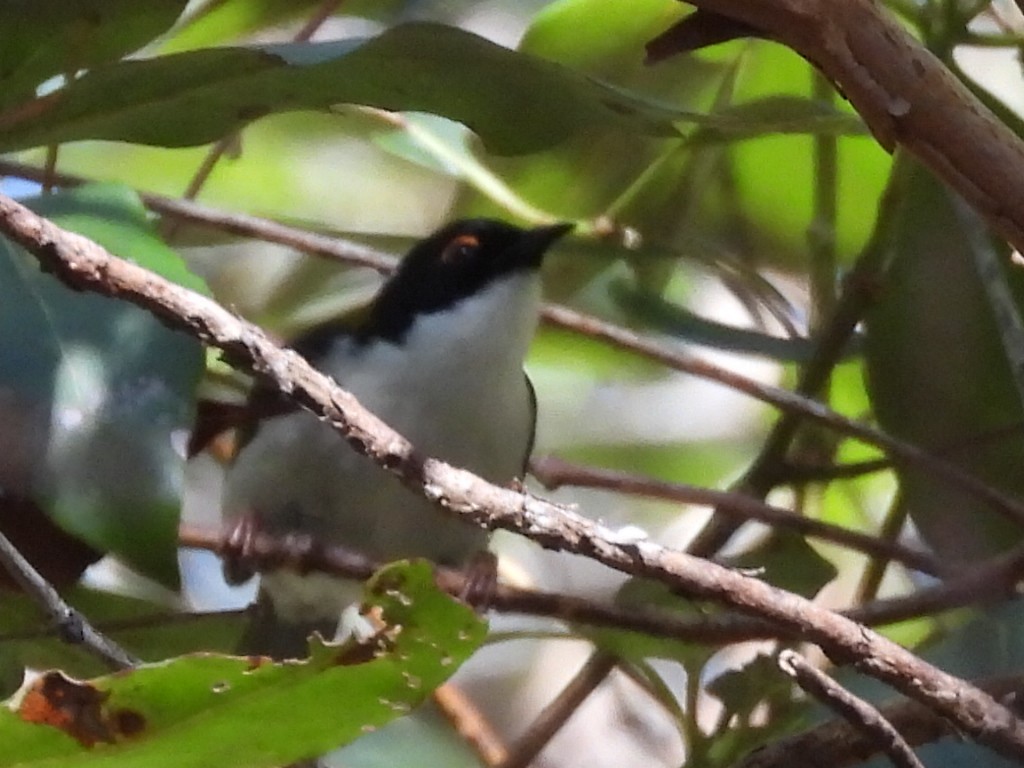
<point x="83" y="265"/>
<point x="72" y="625"/>
<point x="864" y="717"/>
<point x="838" y="744"/>
<point x="554" y="473"/>
<point x="906" y="96"/>
<point x="795" y="405"/>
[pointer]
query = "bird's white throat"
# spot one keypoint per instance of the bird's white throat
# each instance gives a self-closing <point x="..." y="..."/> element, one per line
<point x="485" y="337"/>
<point x="492" y="328"/>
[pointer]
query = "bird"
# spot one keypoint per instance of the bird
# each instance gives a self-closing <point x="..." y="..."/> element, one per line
<point x="438" y="354"/>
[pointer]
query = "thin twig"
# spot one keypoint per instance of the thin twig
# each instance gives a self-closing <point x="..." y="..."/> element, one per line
<point x="266" y="552"/>
<point x="856" y="711"/>
<point x="72" y="626"/>
<point x="893" y="524"/>
<point x="837" y="744"/>
<point x="554" y="472"/>
<point x="559" y="710"/>
<point x="801" y="471"/>
<point x="241" y="224"/>
<point x="320" y="14"/>
<point x="470" y="724"/>
<point x="986" y="583"/>
<point x="222" y="146"/>
<point x="794" y="405"/>
<point x="765" y="472"/>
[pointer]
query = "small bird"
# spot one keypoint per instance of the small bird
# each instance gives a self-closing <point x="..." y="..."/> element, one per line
<point x="438" y="354"/>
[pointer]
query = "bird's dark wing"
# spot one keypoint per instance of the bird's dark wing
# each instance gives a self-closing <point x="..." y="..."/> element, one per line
<point x="533" y="423"/>
<point x="216" y="417"/>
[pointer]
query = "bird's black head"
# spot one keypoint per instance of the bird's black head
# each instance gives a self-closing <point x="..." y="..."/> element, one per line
<point x="454" y="263"/>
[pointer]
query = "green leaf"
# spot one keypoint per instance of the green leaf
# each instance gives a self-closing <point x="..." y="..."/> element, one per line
<point x="578" y="33"/>
<point x="736" y="741"/>
<point x="583" y="176"/>
<point x="774" y="176"/>
<point x="416" y="67"/>
<point x="207" y="709"/>
<point x="937" y="371"/>
<point x="787" y="561"/>
<point x="114" y="216"/>
<point x="742" y="689"/>
<point x="105" y="388"/>
<point x="402" y="143"/>
<point x="43" y="38"/>
<point x="638" y="646"/>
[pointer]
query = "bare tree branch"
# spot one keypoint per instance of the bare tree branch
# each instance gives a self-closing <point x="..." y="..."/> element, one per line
<point x="904" y="93"/>
<point x="302" y="554"/>
<point x="790" y="403"/>
<point x="796" y="405"/>
<point x="986" y="583"/>
<point x="83" y="265"/>
<point x="470" y="724"/>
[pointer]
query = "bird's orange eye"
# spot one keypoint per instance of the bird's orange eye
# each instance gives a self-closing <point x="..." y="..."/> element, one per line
<point x="459" y="248"/>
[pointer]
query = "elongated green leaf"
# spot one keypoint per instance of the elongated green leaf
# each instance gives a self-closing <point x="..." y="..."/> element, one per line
<point x="418" y="67"/>
<point x="638" y="646"/>
<point x="774" y="115"/>
<point x="204" y="710"/>
<point x="741" y="690"/>
<point x="938" y="374"/>
<point x="107" y="386"/>
<point x="43" y="38"/>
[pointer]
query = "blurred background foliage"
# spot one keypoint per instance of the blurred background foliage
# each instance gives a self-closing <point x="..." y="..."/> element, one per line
<point x="722" y="197"/>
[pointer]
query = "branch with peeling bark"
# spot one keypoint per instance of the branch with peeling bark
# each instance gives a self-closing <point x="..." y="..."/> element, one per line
<point x="83" y="265"/>
<point x="795" y="405"/>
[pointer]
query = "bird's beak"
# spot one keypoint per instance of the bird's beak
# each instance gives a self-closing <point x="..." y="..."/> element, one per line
<point x="534" y="243"/>
<point x="545" y="236"/>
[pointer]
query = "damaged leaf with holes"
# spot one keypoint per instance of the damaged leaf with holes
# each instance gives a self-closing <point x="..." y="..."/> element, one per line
<point x="199" y="710"/>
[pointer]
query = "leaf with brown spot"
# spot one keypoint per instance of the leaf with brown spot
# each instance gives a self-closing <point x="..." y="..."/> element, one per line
<point x="69" y="705"/>
<point x="199" y="710"/>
